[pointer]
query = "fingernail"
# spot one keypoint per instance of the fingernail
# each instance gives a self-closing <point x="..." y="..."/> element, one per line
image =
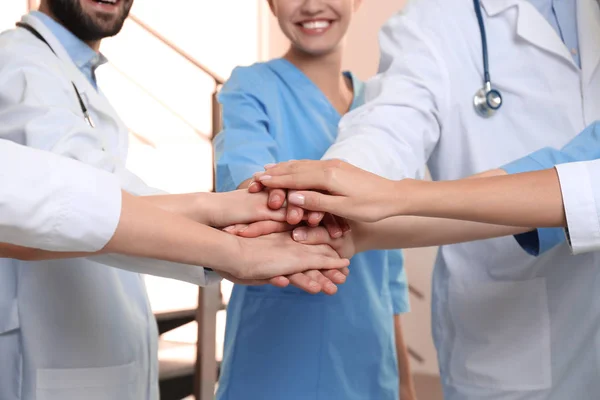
<point x="229" y="229"/>
<point x="337" y="234"/>
<point x="293" y="214"/>
<point x="296" y="198"/>
<point x="275" y="199"/>
<point x="264" y="178"/>
<point x="331" y="287"/>
<point x="252" y="184"/>
<point x="267" y="166"/>
<point x="300" y="235"/>
<point x="243" y="229"/>
<point x="258" y="173"/>
<point x="314" y="285"/>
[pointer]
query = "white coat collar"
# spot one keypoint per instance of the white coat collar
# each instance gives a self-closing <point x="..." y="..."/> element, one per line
<point x="95" y="100"/>
<point x="588" y="27"/>
<point x="531" y="26"/>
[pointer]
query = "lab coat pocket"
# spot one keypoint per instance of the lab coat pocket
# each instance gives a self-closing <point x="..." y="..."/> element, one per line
<point x="118" y="382"/>
<point x="502" y="335"/>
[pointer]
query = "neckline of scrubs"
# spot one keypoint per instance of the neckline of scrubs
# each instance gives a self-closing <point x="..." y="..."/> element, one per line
<point x="302" y="78"/>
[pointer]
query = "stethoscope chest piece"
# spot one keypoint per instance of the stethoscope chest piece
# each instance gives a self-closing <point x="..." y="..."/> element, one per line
<point x="487" y="101"/>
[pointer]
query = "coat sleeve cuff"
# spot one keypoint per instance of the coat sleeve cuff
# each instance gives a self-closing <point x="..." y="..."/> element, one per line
<point x="581" y="209"/>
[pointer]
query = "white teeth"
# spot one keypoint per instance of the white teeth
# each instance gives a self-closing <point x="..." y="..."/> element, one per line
<point x="316" y="25"/>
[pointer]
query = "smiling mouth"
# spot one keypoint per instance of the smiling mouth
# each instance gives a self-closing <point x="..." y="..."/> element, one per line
<point x="316" y="24"/>
<point x="315" y="27"/>
<point x="107" y="2"/>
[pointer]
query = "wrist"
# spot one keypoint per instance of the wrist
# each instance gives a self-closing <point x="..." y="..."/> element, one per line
<point x="207" y="208"/>
<point x="410" y="197"/>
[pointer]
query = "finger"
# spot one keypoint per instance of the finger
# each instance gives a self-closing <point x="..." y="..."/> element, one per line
<point x="325" y="262"/>
<point x="336" y="276"/>
<point x="304" y="282"/>
<point x="291" y="166"/>
<point x="343" y="223"/>
<point x="312" y="236"/>
<point x="327" y="286"/>
<point x="332" y="225"/>
<point x="276" y="199"/>
<point x="262" y="228"/>
<point x="315" y="218"/>
<point x="315" y="201"/>
<point x="255" y="187"/>
<point x="294" y="213"/>
<point x="230" y="229"/>
<point x="236" y="229"/>
<point x="280" y="281"/>
<point x="316" y="179"/>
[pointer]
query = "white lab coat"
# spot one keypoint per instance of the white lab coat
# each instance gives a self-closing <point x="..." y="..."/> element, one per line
<point x="54" y="203"/>
<point x="72" y="329"/>
<point x="580" y="187"/>
<point x="506" y="325"/>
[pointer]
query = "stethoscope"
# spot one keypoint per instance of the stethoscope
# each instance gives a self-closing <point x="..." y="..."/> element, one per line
<point x="487" y="100"/>
<point x="84" y="110"/>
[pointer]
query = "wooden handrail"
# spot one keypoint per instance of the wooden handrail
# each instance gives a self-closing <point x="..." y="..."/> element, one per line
<point x="218" y="80"/>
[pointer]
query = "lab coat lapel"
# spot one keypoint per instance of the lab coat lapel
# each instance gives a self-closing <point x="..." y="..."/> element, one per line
<point x="588" y="18"/>
<point x="531" y="26"/>
<point x="92" y="99"/>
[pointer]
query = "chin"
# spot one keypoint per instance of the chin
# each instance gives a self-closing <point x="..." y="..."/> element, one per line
<point x="318" y="51"/>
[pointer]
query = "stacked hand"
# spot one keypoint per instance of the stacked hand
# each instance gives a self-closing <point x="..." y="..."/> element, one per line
<point x="339" y="191"/>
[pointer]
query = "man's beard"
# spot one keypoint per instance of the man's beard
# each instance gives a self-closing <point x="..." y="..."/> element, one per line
<point x="86" y="27"/>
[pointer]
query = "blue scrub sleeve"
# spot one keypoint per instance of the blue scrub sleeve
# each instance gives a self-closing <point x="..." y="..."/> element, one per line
<point x="583" y="147"/>
<point x="244" y="145"/>
<point x="398" y="282"/>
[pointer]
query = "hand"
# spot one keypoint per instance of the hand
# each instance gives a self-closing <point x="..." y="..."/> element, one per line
<point x="345" y="246"/>
<point x="278" y="254"/>
<point x="241" y="207"/>
<point x="336" y="226"/>
<point x="353" y="193"/>
<point x="277" y="200"/>
<point x="325" y="280"/>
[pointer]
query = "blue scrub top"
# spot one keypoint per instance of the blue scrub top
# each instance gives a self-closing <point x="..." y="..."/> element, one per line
<point x="285" y="343"/>
<point x="583" y="147"/>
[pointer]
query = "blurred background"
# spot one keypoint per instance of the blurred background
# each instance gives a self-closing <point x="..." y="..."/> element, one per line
<point x="165" y="68"/>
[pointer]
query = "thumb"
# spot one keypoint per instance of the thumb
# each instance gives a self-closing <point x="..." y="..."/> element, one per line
<point x="315" y="201"/>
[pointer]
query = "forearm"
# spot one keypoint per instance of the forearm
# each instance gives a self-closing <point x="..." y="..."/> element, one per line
<point x="409" y="232"/>
<point x="200" y="207"/>
<point x="150" y="232"/>
<point x="528" y="199"/>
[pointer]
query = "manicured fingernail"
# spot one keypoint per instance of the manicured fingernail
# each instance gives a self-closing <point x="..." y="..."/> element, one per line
<point x="267" y="166"/>
<point x="296" y="198"/>
<point x="264" y="178"/>
<point x="300" y="235"/>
